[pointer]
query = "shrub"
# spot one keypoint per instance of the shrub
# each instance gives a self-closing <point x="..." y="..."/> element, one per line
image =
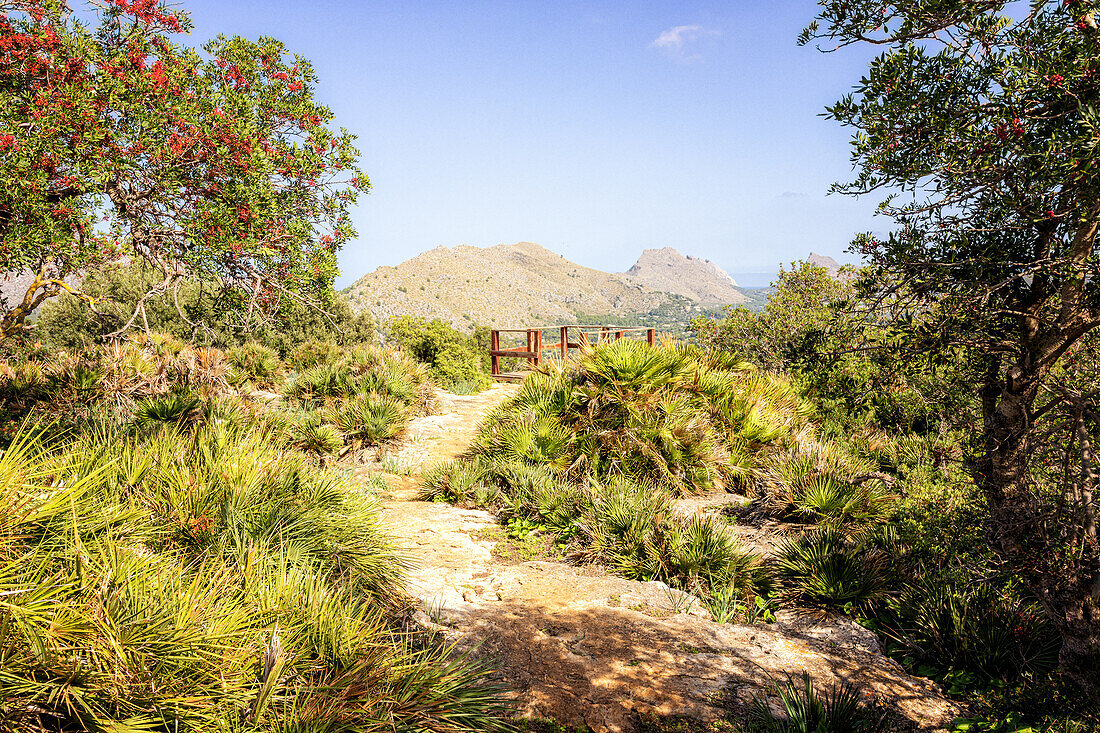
<point x="322" y="381"/>
<point x="821" y="483"/>
<point x="454" y="358"/>
<point x="313" y="353"/>
<point x="254" y="362"/>
<point x="805" y="710"/>
<point x="312" y="435"/>
<point x="975" y="627"/>
<point x="208" y="582"/>
<point x="67" y="322"/>
<point x="176" y="408"/>
<point x="459" y="482"/>
<point x="370" y="419"/>
<point x="824" y="567"/>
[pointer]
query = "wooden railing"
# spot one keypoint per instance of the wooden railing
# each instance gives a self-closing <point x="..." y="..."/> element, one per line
<point x="535" y="348"/>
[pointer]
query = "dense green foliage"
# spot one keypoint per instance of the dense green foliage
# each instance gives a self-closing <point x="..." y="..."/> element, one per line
<point x="167" y="565"/>
<point x="598" y="449"/>
<point x="69" y="322"/>
<point x="942" y="601"/>
<point x="986" y="112"/>
<point x="837" y="344"/>
<point x="458" y="361"/>
<point x="808" y="710"/>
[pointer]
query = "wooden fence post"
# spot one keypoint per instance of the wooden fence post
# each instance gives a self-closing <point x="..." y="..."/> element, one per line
<point x="538" y="347"/>
<point x="564" y="343"/>
<point x="494" y="341"/>
<point x="651" y="336"/>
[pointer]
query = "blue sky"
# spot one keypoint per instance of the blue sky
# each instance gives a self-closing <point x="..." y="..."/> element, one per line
<point x="596" y="129"/>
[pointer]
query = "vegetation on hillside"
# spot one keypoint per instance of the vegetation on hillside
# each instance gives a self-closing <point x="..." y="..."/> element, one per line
<point x="598" y="449"/>
<point x="986" y="113"/>
<point x="915" y="444"/>
<point x="948" y="607"/>
<point x="506" y="286"/>
<point x="168" y="561"/>
<point x="193" y="314"/>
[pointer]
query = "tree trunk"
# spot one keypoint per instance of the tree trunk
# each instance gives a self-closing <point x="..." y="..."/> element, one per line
<point x="1057" y="559"/>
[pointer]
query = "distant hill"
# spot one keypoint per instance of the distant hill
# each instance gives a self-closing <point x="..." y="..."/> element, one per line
<point x="831" y="265"/>
<point x="692" y="277"/>
<point x="513" y="285"/>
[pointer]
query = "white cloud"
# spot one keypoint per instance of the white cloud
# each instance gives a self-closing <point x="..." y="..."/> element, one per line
<point x="673" y="41"/>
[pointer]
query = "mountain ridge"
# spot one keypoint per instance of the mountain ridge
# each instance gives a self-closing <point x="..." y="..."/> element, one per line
<point x="517" y="285"/>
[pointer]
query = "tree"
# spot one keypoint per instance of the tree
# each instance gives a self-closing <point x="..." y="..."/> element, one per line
<point x="837" y="346"/>
<point x="800" y="308"/>
<point x="118" y="145"/>
<point x="981" y="127"/>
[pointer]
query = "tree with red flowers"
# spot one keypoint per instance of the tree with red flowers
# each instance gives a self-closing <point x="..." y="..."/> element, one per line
<point x="981" y="126"/>
<point x="120" y="146"/>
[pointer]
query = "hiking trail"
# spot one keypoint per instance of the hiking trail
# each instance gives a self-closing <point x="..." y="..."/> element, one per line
<point x="584" y="647"/>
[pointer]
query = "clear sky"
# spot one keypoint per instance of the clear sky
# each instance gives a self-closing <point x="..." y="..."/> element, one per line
<point x="595" y="129"/>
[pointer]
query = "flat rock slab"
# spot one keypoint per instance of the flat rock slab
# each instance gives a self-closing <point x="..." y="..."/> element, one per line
<point x="587" y="648"/>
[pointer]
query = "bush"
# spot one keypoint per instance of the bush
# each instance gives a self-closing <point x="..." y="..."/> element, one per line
<point x="254" y="362"/>
<point x="453" y="357"/>
<point x="312" y="435"/>
<point x="68" y="322"/>
<point x="370" y="419"/>
<point x="176" y="408"/>
<point x="596" y="449"/>
<point x="805" y="710"/>
<point x="824" y="567"/>
<point x="822" y="483"/>
<point x="323" y="381"/>
<point x="684" y="419"/>
<point x="313" y="353"/>
<point x="208" y="582"/>
<point x="808" y="330"/>
<point x="976" y="628"/>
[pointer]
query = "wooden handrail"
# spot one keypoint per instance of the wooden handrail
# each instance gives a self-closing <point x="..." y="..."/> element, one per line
<point x="535" y="348"/>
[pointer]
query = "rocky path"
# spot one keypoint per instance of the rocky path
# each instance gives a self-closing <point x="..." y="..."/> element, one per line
<point x="586" y="648"/>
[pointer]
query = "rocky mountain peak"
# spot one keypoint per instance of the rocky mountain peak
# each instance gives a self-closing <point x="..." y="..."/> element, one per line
<point x="830" y="265"/>
<point x="700" y="279"/>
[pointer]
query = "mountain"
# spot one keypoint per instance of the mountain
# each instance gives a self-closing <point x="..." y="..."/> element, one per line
<point x="513" y="286"/>
<point x="831" y="265"/>
<point x="700" y="280"/>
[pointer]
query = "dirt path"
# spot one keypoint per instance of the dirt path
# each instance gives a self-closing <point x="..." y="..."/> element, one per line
<point x="586" y="648"/>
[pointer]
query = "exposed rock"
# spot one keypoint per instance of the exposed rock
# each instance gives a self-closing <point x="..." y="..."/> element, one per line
<point x="831" y="266"/>
<point x="586" y="648"/>
<point x="701" y="280"/>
